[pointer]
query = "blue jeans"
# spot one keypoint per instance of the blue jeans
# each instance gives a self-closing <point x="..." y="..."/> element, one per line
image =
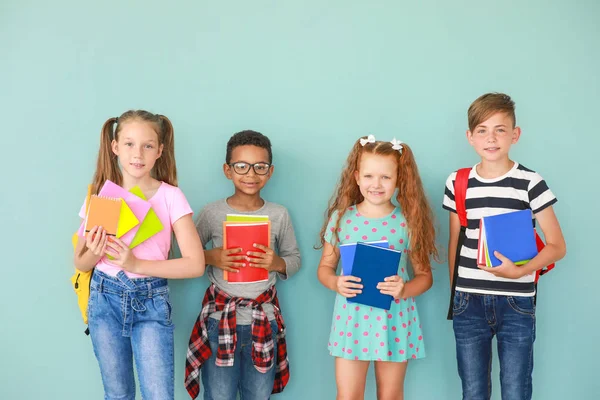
<point x="223" y="383"/>
<point x="477" y="318"/>
<point x="131" y="319"/>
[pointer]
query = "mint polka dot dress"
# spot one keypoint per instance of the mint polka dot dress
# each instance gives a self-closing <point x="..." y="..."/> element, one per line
<point x="360" y="332"/>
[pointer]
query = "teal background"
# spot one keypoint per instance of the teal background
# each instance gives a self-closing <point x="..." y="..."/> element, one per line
<point x="313" y="76"/>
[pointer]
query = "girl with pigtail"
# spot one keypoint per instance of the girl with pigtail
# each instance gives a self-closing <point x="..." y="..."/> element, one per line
<point x="362" y="210"/>
<point x="129" y="312"/>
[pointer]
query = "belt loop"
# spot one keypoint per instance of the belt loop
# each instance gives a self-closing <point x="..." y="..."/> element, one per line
<point x="101" y="285"/>
<point x="149" y="290"/>
<point x="124" y="279"/>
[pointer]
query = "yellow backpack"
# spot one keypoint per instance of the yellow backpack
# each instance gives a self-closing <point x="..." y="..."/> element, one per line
<point x="81" y="280"/>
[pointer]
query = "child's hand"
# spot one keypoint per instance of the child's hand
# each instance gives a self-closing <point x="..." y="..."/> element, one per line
<point x="267" y="260"/>
<point x="348" y="286"/>
<point x="123" y="256"/>
<point x="392" y="285"/>
<point x="96" y="241"/>
<point x="507" y="269"/>
<point x="228" y="262"/>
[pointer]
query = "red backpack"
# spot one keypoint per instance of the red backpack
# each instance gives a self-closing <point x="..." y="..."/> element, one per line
<point x="460" y="197"/>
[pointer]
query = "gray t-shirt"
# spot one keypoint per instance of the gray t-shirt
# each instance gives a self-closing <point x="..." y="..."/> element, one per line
<point x="283" y="240"/>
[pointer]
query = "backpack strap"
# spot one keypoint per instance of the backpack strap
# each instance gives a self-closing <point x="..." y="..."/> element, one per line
<point x="540" y="245"/>
<point x="460" y="196"/>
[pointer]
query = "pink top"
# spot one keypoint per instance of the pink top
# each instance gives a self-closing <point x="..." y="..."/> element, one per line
<point x="170" y="204"/>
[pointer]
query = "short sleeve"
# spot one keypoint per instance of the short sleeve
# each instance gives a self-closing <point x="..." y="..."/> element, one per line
<point x="81" y="230"/>
<point x="328" y="235"/>
<point x="449" y="202"/>
<point x="82" y="210"/>
<point x="540" y="196"/>
<point x="178" y="206"/>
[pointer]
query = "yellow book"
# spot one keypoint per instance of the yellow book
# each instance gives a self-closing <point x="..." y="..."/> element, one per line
<point x="150" y="226"/>
<point x="247" y="218"/>
<point x="127" y="220"/>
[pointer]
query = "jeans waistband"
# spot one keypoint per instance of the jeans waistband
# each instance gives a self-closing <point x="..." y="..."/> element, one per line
<point x="103" y="282"/>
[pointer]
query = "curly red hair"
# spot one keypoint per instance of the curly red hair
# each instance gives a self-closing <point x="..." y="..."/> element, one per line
<point x="411" y="197"/>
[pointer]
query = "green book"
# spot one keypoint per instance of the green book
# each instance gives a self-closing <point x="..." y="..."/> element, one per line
<point x="246" y="218"/>
<point x="150" y="226"/>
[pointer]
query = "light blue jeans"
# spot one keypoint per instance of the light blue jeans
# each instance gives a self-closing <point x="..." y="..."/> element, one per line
<point x="224" y="383"/>
<point x="130" y="319"/>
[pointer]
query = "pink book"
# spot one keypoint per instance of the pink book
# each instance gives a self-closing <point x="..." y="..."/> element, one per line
<point x="138" y="206"/>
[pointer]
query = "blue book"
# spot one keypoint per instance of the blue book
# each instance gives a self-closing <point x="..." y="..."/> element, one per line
<point x="347" y="254"/>
<point x="372" y="264"/>
<point x="510" y="234"/>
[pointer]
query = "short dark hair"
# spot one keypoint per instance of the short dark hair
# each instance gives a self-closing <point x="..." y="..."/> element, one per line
<point x="248" y="138"/>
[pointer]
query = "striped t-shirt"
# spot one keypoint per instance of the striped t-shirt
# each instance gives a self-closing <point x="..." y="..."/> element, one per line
<point x="518" y="189"/>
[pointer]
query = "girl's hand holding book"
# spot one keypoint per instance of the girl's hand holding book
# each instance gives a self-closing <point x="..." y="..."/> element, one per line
<point x="96" y="241"/>
<point x="393" y="286"/>
<point x="122" y="255"/>
<point x="348" y="286"/>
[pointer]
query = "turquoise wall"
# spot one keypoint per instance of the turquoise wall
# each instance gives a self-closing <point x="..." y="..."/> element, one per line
<point x="313" y="76"/>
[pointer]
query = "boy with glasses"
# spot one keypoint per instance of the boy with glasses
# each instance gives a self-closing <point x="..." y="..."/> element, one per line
<point x="238" y="341"/>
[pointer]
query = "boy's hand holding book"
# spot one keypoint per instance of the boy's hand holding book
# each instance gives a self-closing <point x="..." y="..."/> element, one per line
<point x="507" y="269"/>
<point x="267" y="260"/>
<point x="225" y="260"/>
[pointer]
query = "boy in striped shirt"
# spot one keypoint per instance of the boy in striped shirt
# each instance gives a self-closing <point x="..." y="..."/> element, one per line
<point x="498" y="301"/>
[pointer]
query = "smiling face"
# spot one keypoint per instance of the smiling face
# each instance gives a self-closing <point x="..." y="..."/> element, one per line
<point x="493" y="137"/>
<point x="376" y="178"/>
<point x="251" y="159"/>
<point x="137" y="147"/>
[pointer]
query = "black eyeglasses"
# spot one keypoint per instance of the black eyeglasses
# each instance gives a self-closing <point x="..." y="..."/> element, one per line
<point x="242" y="167"/>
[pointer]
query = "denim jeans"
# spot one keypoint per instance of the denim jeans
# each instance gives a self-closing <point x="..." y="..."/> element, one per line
<point x="477" y="319"/>
<point x="130" y="319"/>
<point x="223" y="383"/>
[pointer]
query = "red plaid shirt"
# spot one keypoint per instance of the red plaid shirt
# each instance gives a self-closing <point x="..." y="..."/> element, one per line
<point x="262" y="338"/>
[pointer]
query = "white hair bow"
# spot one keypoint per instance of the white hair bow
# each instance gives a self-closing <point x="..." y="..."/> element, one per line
<point x="397" y="145"/>
<point x="369" y="139"/>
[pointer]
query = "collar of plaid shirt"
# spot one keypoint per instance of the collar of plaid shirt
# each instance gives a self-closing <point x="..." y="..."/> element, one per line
<point x="263" y="346"/>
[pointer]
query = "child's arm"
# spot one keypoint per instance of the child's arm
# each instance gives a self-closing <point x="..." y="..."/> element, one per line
<point x="397" y="288"/>
<point x="454" y="223"/>
<point x="190" y="265"/>
<point x="422" y="281"/>
<point x="89" y="251"/>
<point x="288" y="249"/>
<point x="223" y="259"/>
<point x="267" y="260"/>
<point x="347" y="286"/>
<point x="555" y="249"/>
<point x="216" y="257"/>
<point x="449" y="204"/>
<point x="287" y="263"/>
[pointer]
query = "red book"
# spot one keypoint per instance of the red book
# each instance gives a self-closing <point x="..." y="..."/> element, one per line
<point x="243" y="235"/>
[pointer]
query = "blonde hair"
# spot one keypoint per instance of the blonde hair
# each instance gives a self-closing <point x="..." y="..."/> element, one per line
<point x="107" y="167"/>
